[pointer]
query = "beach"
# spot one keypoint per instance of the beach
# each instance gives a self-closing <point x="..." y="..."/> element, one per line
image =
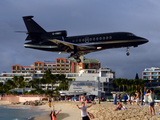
<point x="104" y="111"/>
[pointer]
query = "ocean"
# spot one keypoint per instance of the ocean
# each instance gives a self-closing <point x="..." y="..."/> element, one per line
<point x="19" y="113"/>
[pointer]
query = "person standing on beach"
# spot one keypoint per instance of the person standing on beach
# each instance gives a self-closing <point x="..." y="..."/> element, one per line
<point x="137" y="97"/>
<point x="115" y="99"/>
<point x="141" y="97"/>
<point x="49" y="102"/>
<point x="132" y="99"/>
<point x="125" y="98"/>
<point x="151" y="101"/>
<point x="84" y="111"/>
<point x="99" y="101"/>
<point x="145" y="96"/>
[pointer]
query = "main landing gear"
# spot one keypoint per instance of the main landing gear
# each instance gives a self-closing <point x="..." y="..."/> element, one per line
<point x="127" y="51"/>
<point x="76" y="57"/>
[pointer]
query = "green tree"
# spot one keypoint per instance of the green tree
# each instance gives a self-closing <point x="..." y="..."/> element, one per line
<point x="15" y="80"/>
<point x="49" y="77"/>
<point x="118" y="82"/>
<point x="136" y="83"/>
<point x="123" y="83"/>
<point x="10" y="84"/>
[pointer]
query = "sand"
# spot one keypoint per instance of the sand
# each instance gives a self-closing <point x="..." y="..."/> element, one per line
<point x="104" y="111"/>
<point x="4" y="103"/>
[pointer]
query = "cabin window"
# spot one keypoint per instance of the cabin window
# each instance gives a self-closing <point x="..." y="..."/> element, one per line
<point x="76" y="40"/>
<point x="93" y="39"/>
<point x="90" y="39"/>
<point x="110" y="37"/>
<point x="72" y="40"/>
<point x="103" y="38"/>
<point x="106" y="37"/>
<point x="96" y="38"/>
<point x="83" y="40"/>
<point x="100" y="38"/>
<point x="79" y="40"/>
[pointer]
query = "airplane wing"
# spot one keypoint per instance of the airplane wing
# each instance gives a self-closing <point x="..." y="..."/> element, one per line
<point x="72" y="45"/>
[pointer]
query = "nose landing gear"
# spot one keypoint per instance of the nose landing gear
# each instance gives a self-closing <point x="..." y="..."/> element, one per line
<point x="127" y="51"/>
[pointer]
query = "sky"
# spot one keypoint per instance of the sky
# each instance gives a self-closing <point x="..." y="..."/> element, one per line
<point x="81" y="17"/>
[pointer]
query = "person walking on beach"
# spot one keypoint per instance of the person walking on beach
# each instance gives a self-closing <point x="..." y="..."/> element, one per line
<point x="151" y="101"/>
<point x="129" y="99"/>
<point x="99" y="101"/>
<point x="84" y="111"/>
<point x="54" y="115"/>
<point x="49" y="102"/>
<point x="145" y="96"/>
<point x="141" y="97"/>
<point x="132" y="99"/>
<point x="137" y="97"/>
<point x="125" y="98"/>
<point x="115" y="99"/>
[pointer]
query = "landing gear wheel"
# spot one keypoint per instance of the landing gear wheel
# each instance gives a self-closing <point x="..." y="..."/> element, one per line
<point x="76" y="57"/>
<point x="127" y="53"/>
<point x="127" y="50"/>
<point x="78" y="60"/>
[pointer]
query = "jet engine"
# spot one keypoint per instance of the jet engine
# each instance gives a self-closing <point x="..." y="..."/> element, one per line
<point x="62" y="33"/>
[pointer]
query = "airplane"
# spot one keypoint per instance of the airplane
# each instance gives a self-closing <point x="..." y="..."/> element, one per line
<point x="58" y="41"/>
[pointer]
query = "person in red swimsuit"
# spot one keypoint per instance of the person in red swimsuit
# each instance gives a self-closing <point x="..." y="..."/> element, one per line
<point x="54" y="115"/>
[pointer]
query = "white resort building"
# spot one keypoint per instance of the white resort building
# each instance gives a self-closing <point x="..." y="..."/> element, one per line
<point x="91" y="81"/>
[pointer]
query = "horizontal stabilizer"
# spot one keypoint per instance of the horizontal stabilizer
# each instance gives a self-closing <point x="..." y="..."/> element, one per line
<point x="31" y="25"/>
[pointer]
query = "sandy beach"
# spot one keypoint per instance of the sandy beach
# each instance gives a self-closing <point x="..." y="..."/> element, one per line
<point x="104" y="111"/>
<point x="5" y="103"/>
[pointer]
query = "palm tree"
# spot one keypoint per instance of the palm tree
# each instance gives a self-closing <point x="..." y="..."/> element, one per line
<point x="15" y="80"/>
<point x="132" y="83"/>
<point x="10" y="84"/>
<point x="118" y="82"/>
<point x="136" y="82"/>
<point x="49" y="77"/>
<point x="36" y="82"/>
<point x="123" y="83"/>
<point x="141" y="84"/>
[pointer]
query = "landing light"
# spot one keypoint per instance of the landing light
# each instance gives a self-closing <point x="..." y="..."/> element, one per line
<point x="99" y="47"/>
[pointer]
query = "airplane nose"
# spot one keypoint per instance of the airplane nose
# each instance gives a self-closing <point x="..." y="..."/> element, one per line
<point x="145" y="40"/>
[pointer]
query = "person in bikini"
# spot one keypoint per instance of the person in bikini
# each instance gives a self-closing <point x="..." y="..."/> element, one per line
<point x="118" y="107"/>
<point x="90" y="115"/>
<point x="54" y="115"/>
<point x="137" y="97"/>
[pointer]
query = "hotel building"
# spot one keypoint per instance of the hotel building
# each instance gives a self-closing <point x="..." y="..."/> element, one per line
<point x="61" y="65"/>
<point x="151" y="77"/>
<point x="88" y="76"/>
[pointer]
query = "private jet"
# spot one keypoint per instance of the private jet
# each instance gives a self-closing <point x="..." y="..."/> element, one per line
<point x="58" y="41"/>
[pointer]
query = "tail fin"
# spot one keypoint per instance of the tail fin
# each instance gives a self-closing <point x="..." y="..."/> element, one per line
<point x="32" y="26"/>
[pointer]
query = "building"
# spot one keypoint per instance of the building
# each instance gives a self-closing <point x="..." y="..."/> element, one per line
<point x="88" y="76"/>
<point x="92" y="81"/>
<point x="151" y="77"/>
<point x="61" y="65"/>
<point x="97" y="81"/>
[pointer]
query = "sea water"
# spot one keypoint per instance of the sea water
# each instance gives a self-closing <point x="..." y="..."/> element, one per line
<point x="19" y="113"/>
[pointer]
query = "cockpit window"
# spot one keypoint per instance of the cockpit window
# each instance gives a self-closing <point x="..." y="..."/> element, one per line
<point x="130" y="34"/>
